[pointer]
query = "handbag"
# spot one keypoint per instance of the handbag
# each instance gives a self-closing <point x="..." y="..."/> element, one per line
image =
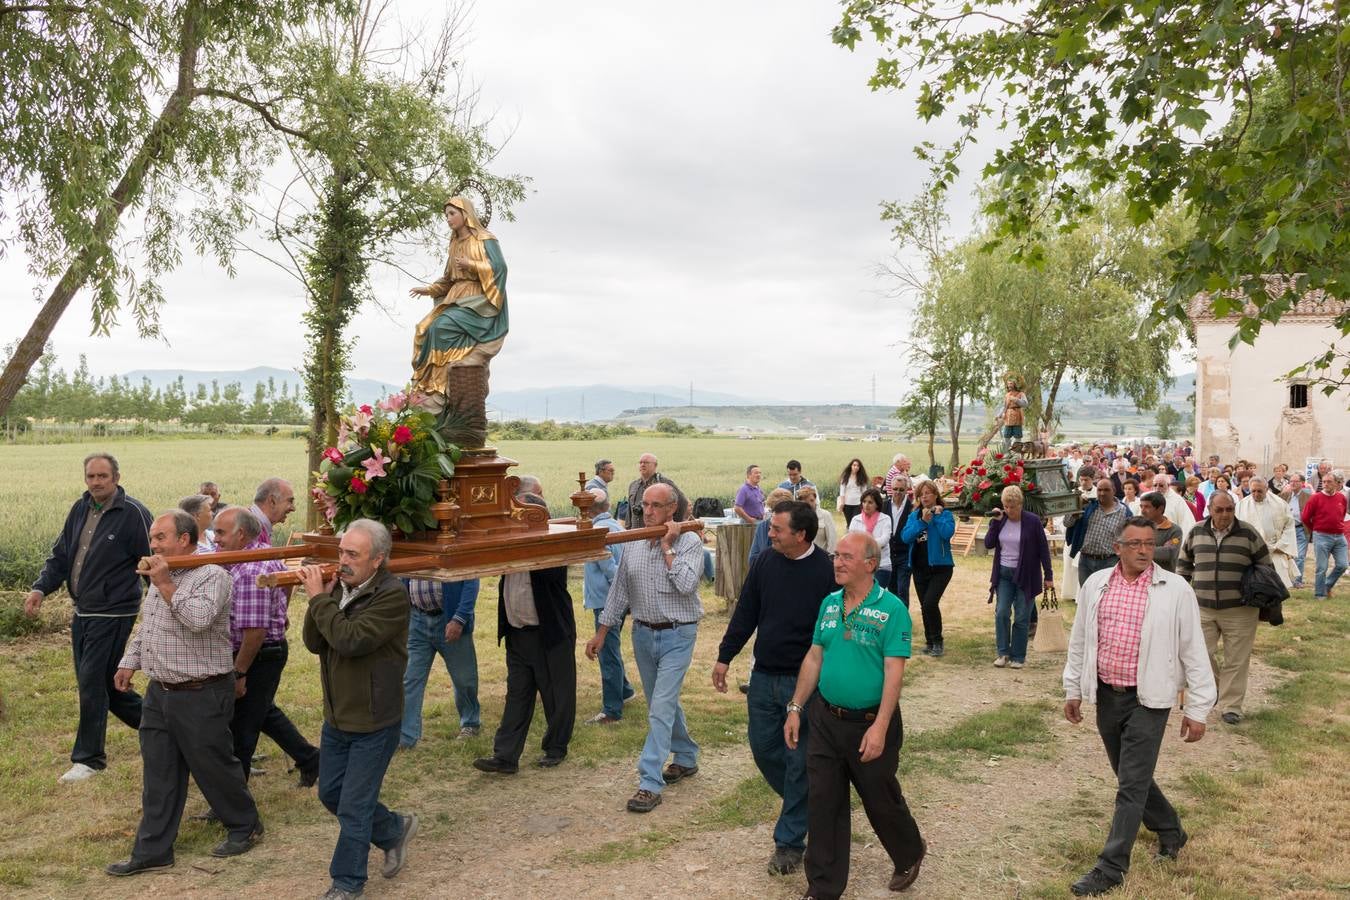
<point x="1050" y="636"/>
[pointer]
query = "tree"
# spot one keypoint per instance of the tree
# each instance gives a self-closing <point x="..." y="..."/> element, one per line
<point x="1104" y="93"/>
<point x="919" y="412"/>
<point x="1168" y="420"/>
<point x="384" y="137"/>
<point x="81" y="142"/>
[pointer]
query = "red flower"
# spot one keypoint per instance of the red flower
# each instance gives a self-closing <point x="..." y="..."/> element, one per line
<point x="402" y="434"/>
<point x="975" y="497"/>
<point x="359" y="485"/>
<point x="1014" y="477"/>
<point x="998" y="456"/>
<point x="1007" y="468"/>
<point x="332" y="455"/>
<point x="365" y="408"/>
<point x="986" y="485"/>
<point x="1031" y="486"/>
<point x="980" y="471"/>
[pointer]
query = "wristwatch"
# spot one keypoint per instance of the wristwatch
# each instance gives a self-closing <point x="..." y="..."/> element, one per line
<point x="793" y="707"/>
<point x="669" y="552"/>
<point x="238" y="674"/>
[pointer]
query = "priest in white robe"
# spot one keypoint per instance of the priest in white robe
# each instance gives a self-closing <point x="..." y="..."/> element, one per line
<point x="1271" y="518"/>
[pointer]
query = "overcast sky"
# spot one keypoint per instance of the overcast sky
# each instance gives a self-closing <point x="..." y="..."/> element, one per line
<point x="704" y="207"/>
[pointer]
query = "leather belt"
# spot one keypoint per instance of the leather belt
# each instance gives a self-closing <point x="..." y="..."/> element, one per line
<point x="851" y="715"/>
<point x="659" y="626"/>
<point x="1117" y="688"/>
<point x="195" y="685"/>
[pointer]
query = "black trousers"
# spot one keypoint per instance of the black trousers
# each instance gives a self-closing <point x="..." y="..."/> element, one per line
<point x="1132" y="735"/>
<point x="254" y="711"/>
<point x="182" y="733"/>
<point x="832" y="764"/>
<point x="96" y="645"/>
<point x="550" y="673"/>
<point x="929" y="584"/>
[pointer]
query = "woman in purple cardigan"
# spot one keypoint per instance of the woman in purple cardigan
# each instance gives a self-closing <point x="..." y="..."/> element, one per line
<point x="1021" y="557"/>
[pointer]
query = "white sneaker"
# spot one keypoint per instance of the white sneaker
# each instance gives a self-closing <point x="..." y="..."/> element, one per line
<point x="1001" y="661"/>
<point x="77" y="772"/>
<point x="1015" y="665"/>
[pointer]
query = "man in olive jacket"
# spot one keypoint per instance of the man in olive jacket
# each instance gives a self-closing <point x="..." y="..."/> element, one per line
<point x="357" y="623"/>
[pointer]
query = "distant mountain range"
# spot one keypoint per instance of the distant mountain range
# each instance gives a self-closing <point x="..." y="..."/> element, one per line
<point x="638" y="405"/>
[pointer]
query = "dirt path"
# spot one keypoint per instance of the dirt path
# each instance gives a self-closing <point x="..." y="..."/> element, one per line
<point x="986" y="821"/>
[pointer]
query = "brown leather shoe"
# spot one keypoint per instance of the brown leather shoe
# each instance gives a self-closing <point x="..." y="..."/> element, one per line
<point x="644" y="802"/>
<point x="901" y="881"/>
<point x="674" y="772"/>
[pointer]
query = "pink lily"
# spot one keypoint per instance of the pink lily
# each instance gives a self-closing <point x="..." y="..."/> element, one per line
<point x="361" y="421"/>
<point x="375" y="465"/>
<point x="394" y="403"/>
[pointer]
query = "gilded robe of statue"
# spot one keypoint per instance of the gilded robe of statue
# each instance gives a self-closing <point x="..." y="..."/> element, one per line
<point x="467" y="325"/>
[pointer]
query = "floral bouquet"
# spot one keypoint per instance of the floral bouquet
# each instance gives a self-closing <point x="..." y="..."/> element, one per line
<point x="979" y="484"/>
<point x="386" y="466"/>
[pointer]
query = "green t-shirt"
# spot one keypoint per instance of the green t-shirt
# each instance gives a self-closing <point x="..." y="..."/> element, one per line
<point x="852" y="670"/>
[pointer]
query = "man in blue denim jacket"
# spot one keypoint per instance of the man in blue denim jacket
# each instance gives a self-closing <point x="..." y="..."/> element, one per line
<point x="615" y="689"/>
<point x="441" y="624"/>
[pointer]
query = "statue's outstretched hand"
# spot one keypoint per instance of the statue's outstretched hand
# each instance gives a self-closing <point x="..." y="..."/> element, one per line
<point x="419" y="292"/>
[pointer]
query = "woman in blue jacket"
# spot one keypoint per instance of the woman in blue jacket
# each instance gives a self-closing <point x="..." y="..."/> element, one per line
<point x="928" y="532"/>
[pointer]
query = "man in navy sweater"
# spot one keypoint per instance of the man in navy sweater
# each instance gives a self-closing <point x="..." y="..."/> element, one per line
<point x="779" y="601"/>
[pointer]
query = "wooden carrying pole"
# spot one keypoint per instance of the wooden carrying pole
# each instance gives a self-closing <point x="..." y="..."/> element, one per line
<point x="397" y="566"/>
<point x="231" y="557"/>
<point x="650" y="532"/>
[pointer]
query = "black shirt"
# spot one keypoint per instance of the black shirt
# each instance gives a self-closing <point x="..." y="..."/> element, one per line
<point x="780" y="600"/>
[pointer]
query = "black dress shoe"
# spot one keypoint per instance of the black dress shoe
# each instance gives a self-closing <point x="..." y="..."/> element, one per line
<point x="231" y="847"/>
<point x="495" y="766"/>
<point x="1094" y="883"/>
<point x="1231" y="718"/>
<point x="549" y="762"/>
<point x="1170" y="849"/>
<point x="136" y="866"/>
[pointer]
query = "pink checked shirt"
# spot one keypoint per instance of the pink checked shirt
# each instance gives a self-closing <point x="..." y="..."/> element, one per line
<point x="1120" y="619"/>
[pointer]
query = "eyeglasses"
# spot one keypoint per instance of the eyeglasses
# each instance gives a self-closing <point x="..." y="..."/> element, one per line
<point x="1137" y="545"/>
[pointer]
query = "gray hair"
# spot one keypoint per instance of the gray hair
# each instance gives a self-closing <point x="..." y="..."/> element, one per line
<point x="899" y="458"/>
<point x="1011" y="492"/>
<point x="529" y="484"/>
<point x="380" y="540"/>
<point x="242" y="519"/>
<point x="602" y="464"/>
<point x="1251" y="482"/>
<point x="871" y="549"/>
<point x="193" y="504"/>
<point x="183" y="523"/>
<point x="112" y="461"/>
<point x="271" y="487"/>
<point x="601" y="502"/>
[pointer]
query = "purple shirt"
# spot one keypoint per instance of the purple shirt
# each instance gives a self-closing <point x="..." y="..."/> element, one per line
<point x="1010" y="540"/>
<point x="257" y="607"/>
<point x="751" y="499"/>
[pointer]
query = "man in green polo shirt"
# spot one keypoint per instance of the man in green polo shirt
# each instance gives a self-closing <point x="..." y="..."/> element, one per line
<point x="852" y="676"/>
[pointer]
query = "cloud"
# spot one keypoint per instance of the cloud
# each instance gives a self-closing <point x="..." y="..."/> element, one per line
<point x="704" y="206"/>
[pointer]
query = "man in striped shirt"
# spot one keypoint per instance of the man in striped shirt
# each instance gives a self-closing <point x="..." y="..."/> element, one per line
<point x="183" y="646"/>
<point x="1137" y="629"/>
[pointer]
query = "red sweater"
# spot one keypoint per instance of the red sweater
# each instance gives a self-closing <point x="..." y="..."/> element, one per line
<point x="1325" y="512"/>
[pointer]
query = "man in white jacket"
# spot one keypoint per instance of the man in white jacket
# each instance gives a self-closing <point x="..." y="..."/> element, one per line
<point x="1136" y="642"/>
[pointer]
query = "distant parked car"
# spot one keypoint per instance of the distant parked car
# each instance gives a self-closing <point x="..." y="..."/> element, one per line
<point x="816" y="437"/>
<point x="845" y="438"/>
<point x="872" y="439"/>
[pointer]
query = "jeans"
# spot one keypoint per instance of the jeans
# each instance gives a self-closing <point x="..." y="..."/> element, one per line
<point x="97" y="644"/>
<point x="1011" y="639"/>
<point x="783" y="769"/>
<point x="883" y="578"/>
<point x="614" y="685"/>
<point x="1087" y="565"/>
<point x="663" y="658"/>
<point x="1132" y="735"/>
<point x="351" y="770"/>
<point x="899" y="585"/>
<point x="426" y="640"/>
<point x="1301" y="540"/>
<point x="1328" y="548"/>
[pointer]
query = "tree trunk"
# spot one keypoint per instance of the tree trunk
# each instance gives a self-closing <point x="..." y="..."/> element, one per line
<point x="1048" y="413"/>
<point x="952" y="426"/>
<point x="127" y="191"/>
<point x="326" y="380"/>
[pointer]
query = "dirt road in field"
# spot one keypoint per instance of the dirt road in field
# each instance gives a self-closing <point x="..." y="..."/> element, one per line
<point x="994" y="826"/>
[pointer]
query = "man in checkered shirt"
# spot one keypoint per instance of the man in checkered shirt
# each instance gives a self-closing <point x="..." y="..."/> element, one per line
<point x="1136" y="642"/>
<point x="183" y="646"/>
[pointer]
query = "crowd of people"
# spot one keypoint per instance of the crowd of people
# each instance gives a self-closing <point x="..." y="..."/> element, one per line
<point x="1162" y="576"/>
